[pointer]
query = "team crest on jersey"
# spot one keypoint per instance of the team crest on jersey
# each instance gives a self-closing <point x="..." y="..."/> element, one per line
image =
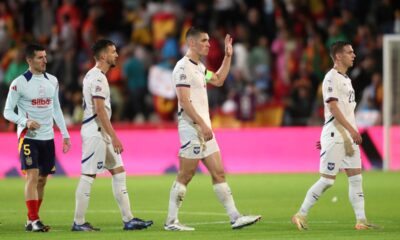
<point x="196" y="150"/>
<point x="99" y="165"/>
<point x="98" y="89"/>
<point x="182" y="77"/>
<point x="28" y="160"/>
<point x="331" y="166"/>
<point x="14" y="88"/>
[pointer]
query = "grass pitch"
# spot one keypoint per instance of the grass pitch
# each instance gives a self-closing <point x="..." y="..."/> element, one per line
<point x="275" y="196"/>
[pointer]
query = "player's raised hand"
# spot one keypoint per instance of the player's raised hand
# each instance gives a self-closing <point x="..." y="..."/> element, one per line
<point x="228" y="45"/>
<point x="66" y="145"/>
<point x="118" y="148"/>
<point x="32" y="124"/>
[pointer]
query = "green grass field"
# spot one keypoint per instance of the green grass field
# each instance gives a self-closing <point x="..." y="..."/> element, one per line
<point x="275" y="196"/>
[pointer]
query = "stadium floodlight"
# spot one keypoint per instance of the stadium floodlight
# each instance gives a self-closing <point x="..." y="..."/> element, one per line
<point x="391" y="90"/>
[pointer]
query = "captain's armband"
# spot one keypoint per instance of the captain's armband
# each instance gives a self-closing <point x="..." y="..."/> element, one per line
<point x="209" y="75"/>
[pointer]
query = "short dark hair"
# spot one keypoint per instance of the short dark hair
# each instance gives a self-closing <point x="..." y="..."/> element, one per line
<point x="101" y="45"/>
<point x="337" y="47"/>
<point x="30" y="49"/>
<point x="193" y="32"/>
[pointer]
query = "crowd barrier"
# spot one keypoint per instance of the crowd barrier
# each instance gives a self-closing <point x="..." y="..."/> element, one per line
<point x="257" y="150"/>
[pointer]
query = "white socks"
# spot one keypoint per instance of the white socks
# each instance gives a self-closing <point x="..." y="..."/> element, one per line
<point x="356" y="196"/>
<point x="121" y="195"/>
<point x="222" y="191"/>
<point x="224" y="195"/>
<point x="314" y="193"/>
<point x="176" y="196"/>
<point x="82" y="197"/>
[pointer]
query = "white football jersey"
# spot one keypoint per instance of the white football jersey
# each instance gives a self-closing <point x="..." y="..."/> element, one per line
<point x="36" y="96"/>
<point x="337" y="86"/>
<point x="188" y="73"/>
<point x="95" y="85"/>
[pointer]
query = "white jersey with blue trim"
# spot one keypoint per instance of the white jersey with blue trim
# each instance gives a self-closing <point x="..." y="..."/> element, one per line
<point x="36" y="97"/>
<point x="190" y="74"/>
<point x="337" y="86"/>
<point x="95" y="85"/>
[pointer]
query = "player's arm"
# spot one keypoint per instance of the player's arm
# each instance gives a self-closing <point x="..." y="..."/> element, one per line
<point x="100" y="109"/>
<point x="218" y="78"/>
<point x="59" y="119"/>
<point x="9" y="114"/>
<point x="11" y="102"/>
<point x="183" y="93"/>
<point x="338" y="115"/>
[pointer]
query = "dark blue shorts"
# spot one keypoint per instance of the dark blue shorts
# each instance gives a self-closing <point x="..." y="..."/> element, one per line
<point x="37" y="154"/>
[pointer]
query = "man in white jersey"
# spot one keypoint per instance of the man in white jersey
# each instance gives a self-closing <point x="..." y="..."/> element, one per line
<point x="35" y="94"/>
<point x="190" y="77"/>
<point x="101" y="148"/>
<point x="339" y="139"/>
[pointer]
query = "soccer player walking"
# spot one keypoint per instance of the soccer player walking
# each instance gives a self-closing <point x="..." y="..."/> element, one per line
<point x="35" y="94"/>
<point x="339" y="139"/>
<point x="190" y="77"/>
<point x="101" y="147"/>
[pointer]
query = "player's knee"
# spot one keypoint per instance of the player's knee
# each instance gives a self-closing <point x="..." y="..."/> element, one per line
<point x="218" y="177"/>
<point x="355" y="180"/>
<point x="32" y="180"/>
<point x="185" y="177"/>
<point x="42" y="182"/>
<point x="328" y="182"/>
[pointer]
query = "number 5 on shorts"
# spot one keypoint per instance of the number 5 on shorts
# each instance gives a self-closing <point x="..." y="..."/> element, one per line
<point x="27" y="151"/>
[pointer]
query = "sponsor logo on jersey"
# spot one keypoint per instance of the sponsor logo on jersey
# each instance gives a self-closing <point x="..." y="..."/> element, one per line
<point x="331" y="166"/>
<point x="98" y="89"/>
<point x="196" y="150"/>
<point x="41" y="102"/>
<point x="28" y="160"/>
<point x="330" y="89"/>
<point x="99" y="165"/>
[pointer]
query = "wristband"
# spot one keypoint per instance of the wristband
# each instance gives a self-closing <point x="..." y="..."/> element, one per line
<point x="209" y="75"/>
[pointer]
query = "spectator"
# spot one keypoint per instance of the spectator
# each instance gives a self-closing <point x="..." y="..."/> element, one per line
<point x="134" y="74"/>
<point x="369" y="109"/>
<point x="297" y="34"/>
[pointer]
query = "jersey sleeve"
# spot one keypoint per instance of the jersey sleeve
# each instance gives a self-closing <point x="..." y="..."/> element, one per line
<point x="11" y="102"/>
<point x="98" y="88"/>
<point x="181" y="77"/>
<point x="58" y="115"/>
<point x="330" y="89"/>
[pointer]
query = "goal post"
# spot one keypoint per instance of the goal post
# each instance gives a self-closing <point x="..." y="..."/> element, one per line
<point x="391" y="90"/>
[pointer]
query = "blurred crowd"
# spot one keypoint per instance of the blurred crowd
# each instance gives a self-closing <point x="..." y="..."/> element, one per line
<point x="281" y="52"/>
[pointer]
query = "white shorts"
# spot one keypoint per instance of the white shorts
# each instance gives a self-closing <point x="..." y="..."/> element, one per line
<point x="98" y="155"/>
<point x="192" y="145"/>
<point x="333" y="157"/>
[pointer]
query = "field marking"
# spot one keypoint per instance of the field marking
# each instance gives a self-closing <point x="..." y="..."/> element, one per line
<point x="117" y="211"/>
<point x="266" y="221"/>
